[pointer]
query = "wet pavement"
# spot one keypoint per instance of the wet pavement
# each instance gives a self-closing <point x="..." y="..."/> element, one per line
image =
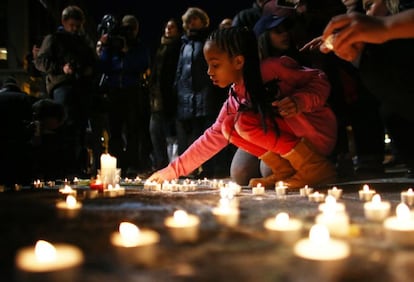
<point x="244" y="252"/>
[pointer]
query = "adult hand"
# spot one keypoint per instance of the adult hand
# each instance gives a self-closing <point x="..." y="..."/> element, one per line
<point x="312" y="45"/>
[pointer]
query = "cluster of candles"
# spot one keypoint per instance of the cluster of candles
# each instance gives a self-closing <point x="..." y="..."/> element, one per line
<point x="324" y="242"/>
<point x="185" y="186"/>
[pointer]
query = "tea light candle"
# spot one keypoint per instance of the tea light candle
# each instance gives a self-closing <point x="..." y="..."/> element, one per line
<point x="366" y="193"/>
<point x="49" y="262"/>
<point x="407" y="197"/>
<point x="319" y="246"/>
<point x="67" y="190"/>
<point x="305" y="191"/>
<point x="183" y="227"/>
<point x="332" y="205"/>
<point x="335" y="192"/>
<point x="399" y="229"/>
<point x="258" y="190"/>
<point x="234" y="187"/>
<point x="70" y="207"/>
<point x="116" y="191"/>
<point x="135" y="245"/>
<point x="336" y="222"/>
<point x="152" y="186"/>
<point x="280" y="188"/>
<point x="38" y="184"/>
<point x="377" y="210"/>
<point x="316" y="197"/>
<point x="226" y="214"/>
<point x="283" y="228"/>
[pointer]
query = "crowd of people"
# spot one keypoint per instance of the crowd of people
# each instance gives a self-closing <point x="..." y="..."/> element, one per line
<point x="266" y="95"/>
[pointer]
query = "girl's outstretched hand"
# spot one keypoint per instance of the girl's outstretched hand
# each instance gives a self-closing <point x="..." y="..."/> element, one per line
<point x="161" y="175"/>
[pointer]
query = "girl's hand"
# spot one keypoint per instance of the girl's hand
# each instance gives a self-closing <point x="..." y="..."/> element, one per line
<point x="287" y="107"/>
<point x="164" y="174"/>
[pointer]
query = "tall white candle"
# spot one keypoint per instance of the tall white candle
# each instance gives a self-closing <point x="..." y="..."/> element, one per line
<point x="107" y="161"/>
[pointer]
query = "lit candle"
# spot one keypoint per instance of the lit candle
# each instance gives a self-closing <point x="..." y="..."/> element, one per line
<point x="236" y="188"/>
<point x="67" y="190"/>
<point x="399" y="229"/>
<point x="407" y="197"/>
<point x="97" y="184"/>
<point x="70" y="207"/>
<point x="135" y="245"/>
<point x="305" y="191"/>
<point x="38" y="184"/>
<point x="332" y="204"/>
<point x="258" y="190"/>
<point x="334" y="218"/>
<point x="366" y="193"/>
<point x="283" y="228"/>
<point x="108" y="171"/>
<point x="183" y="227"/>
<point x="280" y="188"/>
<point x="319" y="246"/>
<point x="316" y="197"/>
<point x="116" y="191"/>
<point x="152" y="186"/>
<point x="49" y="262"/>
<point x="90" y="193"/>
<point x="377" y="210"/>
<point x="225" y="213"/>
<point x="335" y="192"/>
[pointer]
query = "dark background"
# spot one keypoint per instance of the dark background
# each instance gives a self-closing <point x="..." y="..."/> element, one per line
<point x="45" y="15"/>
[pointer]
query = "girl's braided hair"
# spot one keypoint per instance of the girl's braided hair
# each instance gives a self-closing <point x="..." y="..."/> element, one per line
<point x="242" y="41"/>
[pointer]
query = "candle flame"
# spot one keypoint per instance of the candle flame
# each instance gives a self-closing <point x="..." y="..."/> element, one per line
<point x="365" y="188"/>
<point x="129" y="233"/>
<point x="319" y="233"/>
<point x="376" y="199"/>
<point x="410" y="191"/>
<point x="282" y="219"/>
<point x="181" y="216"/>
<point x="70" y="201"/>
<point x="403" y="212"/>
<point x="45" y="251"/>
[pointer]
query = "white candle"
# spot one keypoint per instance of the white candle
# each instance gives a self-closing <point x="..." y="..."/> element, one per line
<point x="226" y="213"/>
<point x="319" y="246"/>
<point x="283" y="228"/>
<point x="70" y="207"/>
<point x="377" y="210"/>
<point x="48" y="258"/>
<point x="316" y="197"/>
<point x="280" y="188"/>
<point x="366" y="193"/>
<point x="135" y="245"/>
<point x="305" y="191"/>
<point x="107" y="161"/>
<point x="112" y="191"/>
<point x="336" y="221"/>
<point x="67" y="190"/>
<point x="331" y="205"/>
<point x="399" y="229"/>
<point x="183" y="227"/>
<point x="335" y="192"/>
<point x="258" y="190"/>
<point x="407" y="197"/>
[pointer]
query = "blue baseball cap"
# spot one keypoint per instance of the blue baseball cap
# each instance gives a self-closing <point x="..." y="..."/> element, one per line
<point x="267" y="22"/>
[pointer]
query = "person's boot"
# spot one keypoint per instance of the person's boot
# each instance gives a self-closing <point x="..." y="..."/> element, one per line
<point x="311" y="167"/>
<point x="280" y="167"/>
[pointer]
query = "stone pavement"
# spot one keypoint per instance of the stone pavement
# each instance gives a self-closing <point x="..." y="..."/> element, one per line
<point x="241" y="253"/>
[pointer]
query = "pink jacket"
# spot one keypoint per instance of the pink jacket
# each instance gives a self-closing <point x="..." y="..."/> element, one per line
<point x="316" y="121"/>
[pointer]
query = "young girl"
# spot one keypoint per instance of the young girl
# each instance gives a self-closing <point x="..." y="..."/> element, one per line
<point x="297" y="126"/>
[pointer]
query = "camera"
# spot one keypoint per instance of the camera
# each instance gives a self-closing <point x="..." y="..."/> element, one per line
<point x="117" y="34"/>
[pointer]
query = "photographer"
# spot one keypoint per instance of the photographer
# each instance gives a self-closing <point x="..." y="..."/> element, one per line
<point x="68" y="59"/>
<point x="124" y="61"/>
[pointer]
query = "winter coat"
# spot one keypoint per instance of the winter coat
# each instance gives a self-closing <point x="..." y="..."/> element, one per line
<point x="193" y="85"/>
<point x="316" y="122"/>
